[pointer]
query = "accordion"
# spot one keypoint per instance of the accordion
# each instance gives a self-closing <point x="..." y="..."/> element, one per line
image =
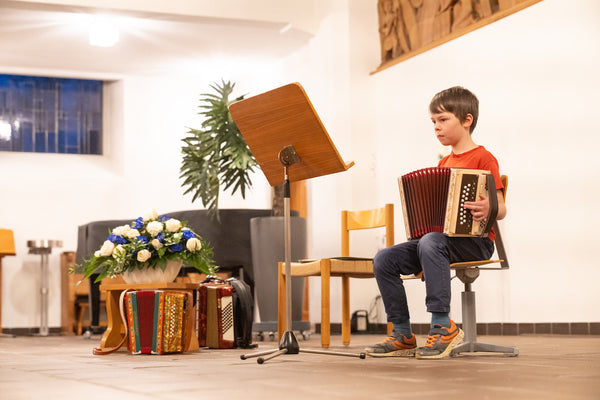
<point x="433" y="201"/>
<point x="215" y="324"/>
<point x="159" y="321"/>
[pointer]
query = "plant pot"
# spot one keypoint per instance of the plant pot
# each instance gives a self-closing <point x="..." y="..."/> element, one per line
<point x="268" y="249"/>
<point x="153" y="275"/>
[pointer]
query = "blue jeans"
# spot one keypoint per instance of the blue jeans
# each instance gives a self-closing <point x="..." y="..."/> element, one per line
<point x="431" y="254"/>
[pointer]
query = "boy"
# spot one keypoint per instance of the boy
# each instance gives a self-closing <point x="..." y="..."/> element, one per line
<point x="454" y="115"/>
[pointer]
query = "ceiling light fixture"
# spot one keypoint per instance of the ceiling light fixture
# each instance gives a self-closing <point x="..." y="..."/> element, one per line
<point x="103" y="32"/>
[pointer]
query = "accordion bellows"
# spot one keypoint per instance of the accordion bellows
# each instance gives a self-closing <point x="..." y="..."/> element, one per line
<point x="433" y="201"/>
<point x="158" y="321"/>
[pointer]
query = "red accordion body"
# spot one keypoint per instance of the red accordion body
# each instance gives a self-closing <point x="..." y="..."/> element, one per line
<point x="158" y="321"/>
<point x="215" y="315"/>
<point x="433" y="201"/>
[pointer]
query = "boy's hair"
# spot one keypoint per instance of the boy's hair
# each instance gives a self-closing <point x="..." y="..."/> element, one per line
<point x="458" y="101"/>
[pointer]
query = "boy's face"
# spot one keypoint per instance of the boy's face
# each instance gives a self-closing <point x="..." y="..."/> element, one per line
<point x="448" y="128"/>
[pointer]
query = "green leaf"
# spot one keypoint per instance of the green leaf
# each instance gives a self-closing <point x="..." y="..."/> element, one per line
<point x="216" y="156"/>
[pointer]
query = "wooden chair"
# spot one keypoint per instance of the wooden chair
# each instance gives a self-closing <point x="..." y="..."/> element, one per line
<point x="7" y="248"/>
<point x="75" y="297"/>
<point x="345" y="267"/>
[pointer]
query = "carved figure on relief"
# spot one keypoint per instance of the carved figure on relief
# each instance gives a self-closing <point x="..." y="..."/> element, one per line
<point x="393" y="42"/>
<point x="406" y="25"/>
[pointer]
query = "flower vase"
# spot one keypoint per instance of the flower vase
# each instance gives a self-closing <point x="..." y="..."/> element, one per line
<point x="153" y="275"/>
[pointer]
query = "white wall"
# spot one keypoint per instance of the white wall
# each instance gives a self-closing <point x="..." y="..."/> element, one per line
<point x="535" y="75"/>
<point x="46" y="196"/>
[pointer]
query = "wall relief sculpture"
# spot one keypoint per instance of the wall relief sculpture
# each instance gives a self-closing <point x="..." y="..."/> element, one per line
<point x="410" y="27"/>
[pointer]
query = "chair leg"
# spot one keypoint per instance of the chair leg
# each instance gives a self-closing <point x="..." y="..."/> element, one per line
<point x="345" y="310"/>
<point x="281" y="307"/>
<point x="325" y="305"/>
<point x="469" y="326"/>
<point x="82" y="308"/>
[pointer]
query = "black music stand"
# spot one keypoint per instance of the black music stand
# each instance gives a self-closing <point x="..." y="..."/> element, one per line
<point x="282" y="128"/>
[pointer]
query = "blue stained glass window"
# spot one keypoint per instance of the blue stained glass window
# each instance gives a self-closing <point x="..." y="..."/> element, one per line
<point x="50" y="115"/>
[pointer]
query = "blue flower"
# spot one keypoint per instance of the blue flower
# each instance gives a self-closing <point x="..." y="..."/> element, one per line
<point x="163" y="218"/>
<point x="160" y="237"/>
<point x="142" y="239"/>
<point x="187" y="234"/>
<point x="177" y="247"/>
<point x="117" y="239"/>
<point x="138" y="223"/>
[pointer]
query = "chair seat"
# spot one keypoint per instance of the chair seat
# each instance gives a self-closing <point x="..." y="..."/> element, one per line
<point x="472" y="264"/>
<point x="350" y="267"/>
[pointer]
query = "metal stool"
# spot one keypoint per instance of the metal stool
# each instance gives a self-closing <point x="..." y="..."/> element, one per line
<point x="43" y="248"/>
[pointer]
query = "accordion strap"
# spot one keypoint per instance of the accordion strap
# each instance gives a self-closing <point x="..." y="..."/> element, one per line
<point x="189" y="323"/>
<point x="100" y="351"/>
<point x="493" y="198"/>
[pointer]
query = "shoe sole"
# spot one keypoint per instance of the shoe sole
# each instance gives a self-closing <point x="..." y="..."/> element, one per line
<point x="455" y="342"/>
<point x="395" y="353"/>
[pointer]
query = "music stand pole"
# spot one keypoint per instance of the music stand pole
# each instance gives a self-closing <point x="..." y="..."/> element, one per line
<point x="282" y="127"/>
<point x="288" y="157"/>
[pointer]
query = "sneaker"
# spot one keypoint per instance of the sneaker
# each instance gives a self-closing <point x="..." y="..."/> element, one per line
<point x="395" y="345"/>
<point x="441" y="341"/>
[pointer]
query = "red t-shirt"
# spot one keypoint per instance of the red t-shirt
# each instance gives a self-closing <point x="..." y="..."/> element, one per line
<point x="478" y="158"/>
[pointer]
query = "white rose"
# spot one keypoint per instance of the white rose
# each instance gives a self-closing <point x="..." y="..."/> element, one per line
<point x="157" y="245"/>
<point x="121" y="230"/>
<point x="154" y="228"/>
<point x="119" y="251"/>
<point x="151" y="215"/>
<point x="143" y="255"/>
<point x="107" y="248"/>
<point x="97" y="253"/>
<point x="173" y="225"/>
<point x="193" y="244"/>
<point x="133" y="233"/>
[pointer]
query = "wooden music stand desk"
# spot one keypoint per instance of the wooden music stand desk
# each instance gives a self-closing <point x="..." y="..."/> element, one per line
<point x="290" y="143"/>
<point x="115" y="328"/>
<point x="7" y="248"/>
<point x="285" y="117"/>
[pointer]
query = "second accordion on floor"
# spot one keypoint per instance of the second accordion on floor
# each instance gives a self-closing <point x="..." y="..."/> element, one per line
<point x="158" y="321"/>
<point x="433" y="201"/>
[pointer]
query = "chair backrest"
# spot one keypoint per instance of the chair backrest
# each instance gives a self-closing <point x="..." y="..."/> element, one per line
<point x="7" y="243"/>
<point x="504" y="180"/>
<point x="367" y="219"/>
<point x="498" y="242"/>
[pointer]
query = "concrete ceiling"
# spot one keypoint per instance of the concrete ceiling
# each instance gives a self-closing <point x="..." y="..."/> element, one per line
<point x="42" y="37"/>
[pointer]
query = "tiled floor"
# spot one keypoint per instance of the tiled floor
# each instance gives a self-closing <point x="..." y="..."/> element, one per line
<point x="548" y="367"/>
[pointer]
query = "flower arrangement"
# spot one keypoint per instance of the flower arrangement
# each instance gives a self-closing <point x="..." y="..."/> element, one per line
<point x="148" y="242"/>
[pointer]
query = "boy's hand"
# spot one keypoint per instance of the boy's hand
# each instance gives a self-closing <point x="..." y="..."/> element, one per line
<point x="479" y="209"/>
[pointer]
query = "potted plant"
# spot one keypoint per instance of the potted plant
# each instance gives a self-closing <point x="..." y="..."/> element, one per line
<point x="150" y="249"/>
<point x="216" y="156"/>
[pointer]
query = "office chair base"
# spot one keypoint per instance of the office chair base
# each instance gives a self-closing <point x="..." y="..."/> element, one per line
<point x="476" y="347"/>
